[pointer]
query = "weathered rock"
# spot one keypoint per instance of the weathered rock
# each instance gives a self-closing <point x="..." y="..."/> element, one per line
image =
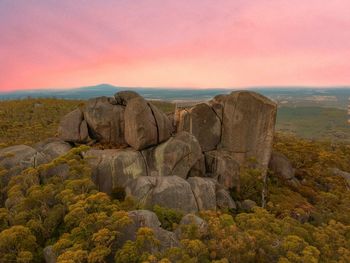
<point x="217" y="104"/>
<point x="247" y="205"/>
<point x="201" y="121"/>
<point x="224" y="200"/>
<point x="123" y="97"/>
<point x="145" y="125"/>
<point x="187" y="222"/>
<point x="164" y="126"/>
<point x="248" y="127"/>
<point x="114" y="169"/>
<point x="343" y="174"/>
<point x="73" y="127"/>
<point x="49" y="255"/>
<point x="51" y="149"/>
<point x="145" y="218"/>
<point x="17" y="158"/>
<point x="105" y="120"/>
<point x="198" y="169"/>
<point x="176" y="156"/>
<point x="281" y="166"/>
<point x="222" y="166"/>
<point x="170" y="191"/>
<point x="204" y="192"/>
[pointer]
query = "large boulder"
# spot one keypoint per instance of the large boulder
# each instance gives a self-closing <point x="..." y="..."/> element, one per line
<point x="145" y="218"/>
<point x="204" y="192"/>
<point x="73" y="127"/>
<point x="282" y="168"/>
<point x="224" y="200"/>
<point x="15" y="159"/>
<point x="113" y="169"/>
<point x="222" y="166"/>
<point x="176" y="156"/>
<point x="186" y="226"/>
<point x="51" y="149"/>
<point x="49" y="255"/>
<point x="248" y="127"/>
<point x="145" y="124"/>
<point x="105" y="120"/>
<point x="170" y="191"/>
<point x="201" y="121"/>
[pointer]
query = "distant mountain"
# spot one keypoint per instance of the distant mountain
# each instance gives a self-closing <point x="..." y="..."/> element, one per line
<point x="288" y="96"/>
<point x="109" y="90"/>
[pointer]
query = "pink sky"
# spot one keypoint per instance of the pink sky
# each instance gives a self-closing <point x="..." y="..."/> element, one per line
<point x="162" y="43"/>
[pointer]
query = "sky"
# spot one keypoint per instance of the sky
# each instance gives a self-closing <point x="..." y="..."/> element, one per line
<point x="177" y="43"/>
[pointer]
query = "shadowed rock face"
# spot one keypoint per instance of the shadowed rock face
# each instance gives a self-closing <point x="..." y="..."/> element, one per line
<point x="145" y="125"/>
<point x="105" y="120"/>
<point x="281" y="166"/>
<point x="201" y="121"/>
<point x="170" y="191"/>
<point x="114" y="169"/>
<point x="123" y="97"/>
<point x="176" y="156"/>
<point x="222" y="166"/>
<point x="73" y="127"/>
<point x="248" y="127"/>
<point x="204" y="192"/>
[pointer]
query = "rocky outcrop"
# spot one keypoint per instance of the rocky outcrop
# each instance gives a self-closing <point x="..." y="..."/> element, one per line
<point x="105" y="120"/>
<point x="222" y="166"/>
<point x="145" y="125"/>
<point x="248" y="127"/>
<point x="170" y="191"/>
<point x="176" y="156"/>
<point x="113" y="169"/>
<point x="201" y="121"/>
<point x="73" y="127"/>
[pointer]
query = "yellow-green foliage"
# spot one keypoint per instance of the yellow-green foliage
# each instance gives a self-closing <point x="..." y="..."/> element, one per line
<point x="322" y="194"/>
<point x="28" y="121"/>
<point x="168" y="217"/>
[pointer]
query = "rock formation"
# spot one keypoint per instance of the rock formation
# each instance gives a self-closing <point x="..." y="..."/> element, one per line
<point x="191" y="170"/>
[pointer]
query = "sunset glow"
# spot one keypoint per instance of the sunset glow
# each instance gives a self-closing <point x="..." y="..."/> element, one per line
<point x="162" y="43"/>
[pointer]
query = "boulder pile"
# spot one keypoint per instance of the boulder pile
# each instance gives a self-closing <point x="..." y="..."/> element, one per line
<point x="135" y="148"/>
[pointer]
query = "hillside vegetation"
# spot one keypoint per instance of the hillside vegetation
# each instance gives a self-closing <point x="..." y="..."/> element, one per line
<point x="309" y="223"/>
